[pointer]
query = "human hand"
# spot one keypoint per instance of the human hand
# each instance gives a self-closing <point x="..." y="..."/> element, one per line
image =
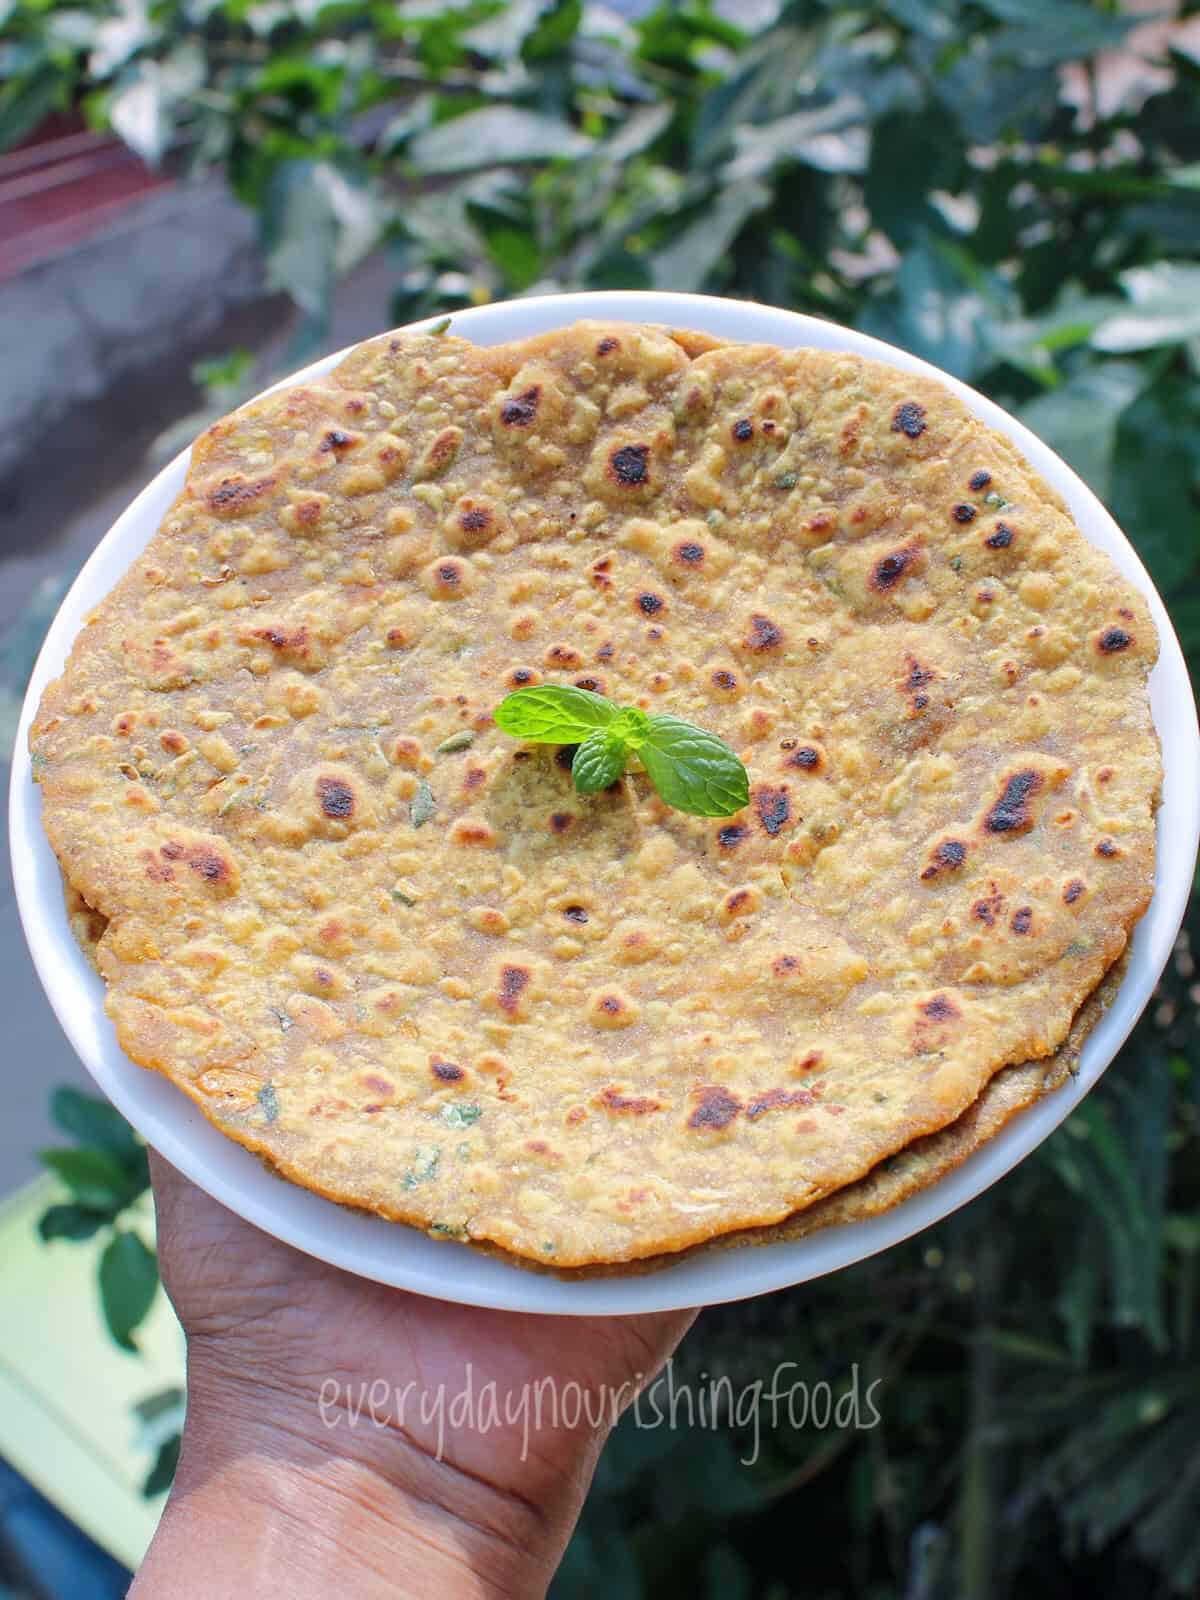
<point x="314" y="1454"/>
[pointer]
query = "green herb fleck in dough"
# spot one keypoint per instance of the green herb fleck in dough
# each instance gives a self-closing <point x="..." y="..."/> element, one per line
<point x="448" y="1230"/>
<point x="404" y="898"/>
<point x="787" y="480"/>
<point x="284" y="1021"/>
<point x="424" y="1165"/>
<point x="439" y="328"/>
<point x="461" y="1116"/>
<point x="457" y="741"/>
<point x="423" y="804"/>
<point x="269" y="1101"/>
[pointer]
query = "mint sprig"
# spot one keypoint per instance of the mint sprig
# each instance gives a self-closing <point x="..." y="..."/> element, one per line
<point x="692" y="769"/>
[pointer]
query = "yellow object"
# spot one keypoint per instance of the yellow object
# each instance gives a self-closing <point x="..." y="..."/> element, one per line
<point x="67" y="1392"/>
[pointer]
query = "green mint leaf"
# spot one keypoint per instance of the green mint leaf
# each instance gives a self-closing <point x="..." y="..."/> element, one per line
<point x="599" y="761"/>
<point x="632" y="727"/>
<point x="693" y="770"/>
<point x="552" y="713"/>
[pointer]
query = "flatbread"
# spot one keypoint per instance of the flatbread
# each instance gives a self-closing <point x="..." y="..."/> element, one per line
<point x="907" y="1173"/>
<point x="924" y="1162"/>
<point x="418" y="972"/>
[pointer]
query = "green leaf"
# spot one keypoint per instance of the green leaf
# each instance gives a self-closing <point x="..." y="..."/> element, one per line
<point x="494" y="135"/>
<point x="96" y="1179"/>
<point x="69" y="1222"/>
<point x="910" y="156"/>
<point x="1156" y="474"/>
<point x="685" y="264"/>
<point x="552" y="713"/>
<point x="990" y="95"/>
<point x="128" y="1284"/>
<point x="510" y="240"/>
<point x="761" y="86"/>
<point x="25" y="101"/>
<point x="934" y="19"/>
<point x="558" y="26"/>
<point x="1065" y="30"/>
<point x="1031" y="343"/>
<point x="1079" y="417"/>
<point x="317" y="219"/>
<point x="225" y="375"/>
<point x="162" y="1474"/>
<point x="148" y="98"/>
<point x="1163" y="309"/>
<point x="92" y="1121"/>
<point x="831" y="137"/>
<point x="693" y="770"/>
<point x="944" y="308"/>
<point x="501" y="36"/>
<point x="159" y="1416"/>
<point x="299" y="232"/>
<point x="599" y="761"/>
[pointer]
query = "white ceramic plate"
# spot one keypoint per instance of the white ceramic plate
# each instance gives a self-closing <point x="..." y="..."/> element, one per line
<point x="401" y="1256"/>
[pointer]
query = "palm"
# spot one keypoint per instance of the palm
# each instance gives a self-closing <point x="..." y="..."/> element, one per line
<point x="269" y="1316"/>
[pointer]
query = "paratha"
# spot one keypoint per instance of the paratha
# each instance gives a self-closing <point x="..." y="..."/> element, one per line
<point x="919" y="1165"/>
<point x="398" y="955"/>
<point x="896" y="1179"/>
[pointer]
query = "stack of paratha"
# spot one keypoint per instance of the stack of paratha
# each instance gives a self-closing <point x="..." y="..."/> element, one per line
<point x="395" y="952"/>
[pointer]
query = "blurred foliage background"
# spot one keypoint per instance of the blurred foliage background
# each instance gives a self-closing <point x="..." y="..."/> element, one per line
<point x="1010" y="188"/>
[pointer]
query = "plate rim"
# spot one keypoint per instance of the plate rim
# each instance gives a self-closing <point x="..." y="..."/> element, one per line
<point x="402" y="1256"/>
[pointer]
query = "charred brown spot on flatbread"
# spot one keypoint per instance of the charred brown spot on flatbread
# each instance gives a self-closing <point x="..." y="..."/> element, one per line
<point x="909" y="419"/>
<point x="236" y="494"/>
<point x="520" y="411"/>
<point x="337" y="440"/>
<point x="772" y="806"/>
<point x="630" y="464"/>
<point x="1011" y="813"/>
<point x="763" y="636"/>
<point x="1113" y="640"/>
<point x="893" y="568"/>
<point x="947" y="855"/>
<point x="713" y="1108"/>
